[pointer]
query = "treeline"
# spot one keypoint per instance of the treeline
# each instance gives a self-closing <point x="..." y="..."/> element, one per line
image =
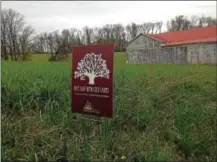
<point x="18" y="39"/>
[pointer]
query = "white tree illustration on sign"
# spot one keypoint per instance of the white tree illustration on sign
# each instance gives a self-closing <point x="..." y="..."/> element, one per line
<point x="92" y="66"/>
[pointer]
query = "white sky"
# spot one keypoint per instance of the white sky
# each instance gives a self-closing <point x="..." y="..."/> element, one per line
<point x="57" y="15"/>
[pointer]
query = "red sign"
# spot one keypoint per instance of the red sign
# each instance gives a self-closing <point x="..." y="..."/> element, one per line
<point x="92" y="80"/>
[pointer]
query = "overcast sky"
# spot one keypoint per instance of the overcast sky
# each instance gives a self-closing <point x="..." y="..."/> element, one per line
<point x="57" y="15"/>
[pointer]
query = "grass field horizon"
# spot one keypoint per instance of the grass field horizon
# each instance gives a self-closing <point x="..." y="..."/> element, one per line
<point x="163" y="112"/>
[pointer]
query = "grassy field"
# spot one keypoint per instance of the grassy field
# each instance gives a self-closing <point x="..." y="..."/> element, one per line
<point x="162" y="112"/>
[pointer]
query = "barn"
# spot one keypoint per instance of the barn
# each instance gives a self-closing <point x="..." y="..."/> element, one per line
<point x="193" y="46"/>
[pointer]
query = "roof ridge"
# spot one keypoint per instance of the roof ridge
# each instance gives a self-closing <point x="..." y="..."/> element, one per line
<point x="186" y="35"/>
<point x="197" y="27"/>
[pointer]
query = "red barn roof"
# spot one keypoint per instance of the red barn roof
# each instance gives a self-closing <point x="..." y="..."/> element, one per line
<point x="194" y="35"/>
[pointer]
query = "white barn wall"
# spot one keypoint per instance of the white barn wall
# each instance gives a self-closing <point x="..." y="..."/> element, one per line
<point x="140" y="43"/>
<point x="202" y="53"/>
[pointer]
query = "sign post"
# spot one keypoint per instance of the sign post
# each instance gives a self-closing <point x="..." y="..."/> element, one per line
<point x="92" y="80"/>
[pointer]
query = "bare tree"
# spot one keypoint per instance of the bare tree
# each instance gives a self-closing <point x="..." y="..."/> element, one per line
<point x="152" y="26"/>
<point x="118" y="32"/>
<point x="132" y="30"/>
<point x="80" y="37"/>
<point x="50" y="42"/>
<point x="59" y="43"/>
<point x="88" y="33"/>
<point x="4" y="40"/>
<point x="146" y="28"/>
<point x="13" y="24"/>
<point x="25" y="40"/>
<point x="40" y="43"/>
<point x="123" y="40"/>
<point x="211" y="21"/>
<point x="96" y="36"/>
<point x="179" y="23"/>
<point x="202" y="21"/>
<point x="194" y="21"/>
<point x="67" y="42"/>
<point x="16" y="37"/>
<point x="107" y="31"/>
<point x="72" y="36"/>
<point x="158" y="25"/>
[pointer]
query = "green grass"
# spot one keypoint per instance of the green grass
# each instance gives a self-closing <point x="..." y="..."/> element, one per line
<point x="162" y="112"/>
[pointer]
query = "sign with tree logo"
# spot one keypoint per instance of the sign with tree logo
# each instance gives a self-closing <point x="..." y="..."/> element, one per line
<point x="92" y="80"/>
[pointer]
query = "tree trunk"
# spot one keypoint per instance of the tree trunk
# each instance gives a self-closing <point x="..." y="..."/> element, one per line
<point x="91" y="79"/>
<point x="11" y="53"/>
<point x="4" y="51"/>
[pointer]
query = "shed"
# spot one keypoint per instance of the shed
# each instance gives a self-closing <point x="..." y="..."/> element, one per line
<point x="196" y="45"/>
